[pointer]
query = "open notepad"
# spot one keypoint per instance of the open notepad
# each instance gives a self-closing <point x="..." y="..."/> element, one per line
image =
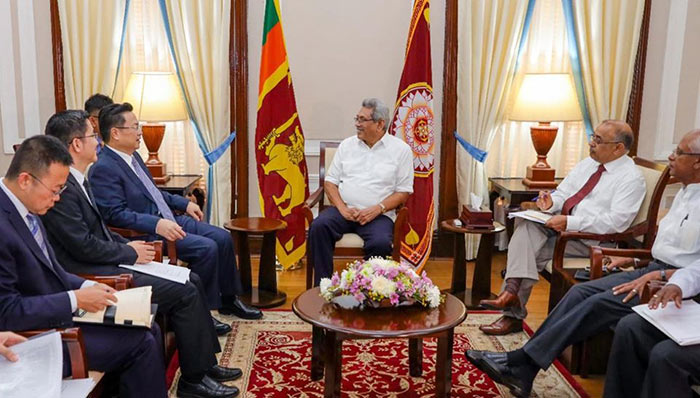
<point x="679" y="324"/>
<point x="164" y="271"/>
<point x="133" y="308"/>
<point x="532" y="215"/>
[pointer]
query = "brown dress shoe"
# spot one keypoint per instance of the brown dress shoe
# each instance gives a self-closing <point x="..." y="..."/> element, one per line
<point x="504" y="301"/>
<point x="503" y="325"/>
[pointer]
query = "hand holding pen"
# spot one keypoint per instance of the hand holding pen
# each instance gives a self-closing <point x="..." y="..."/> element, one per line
<point x="544" y="200"/>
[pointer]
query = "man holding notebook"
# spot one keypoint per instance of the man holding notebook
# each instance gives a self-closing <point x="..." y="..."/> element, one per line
<point x="602" y="195"/>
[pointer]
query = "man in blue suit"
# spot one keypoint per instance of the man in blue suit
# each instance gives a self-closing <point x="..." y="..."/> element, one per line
<point x="36" y="292"/>
<point x="128" y="198"/>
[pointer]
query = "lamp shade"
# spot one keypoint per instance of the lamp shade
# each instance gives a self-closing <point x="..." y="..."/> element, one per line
<point x="156" y="97"/>
<point x="546" y="97"/>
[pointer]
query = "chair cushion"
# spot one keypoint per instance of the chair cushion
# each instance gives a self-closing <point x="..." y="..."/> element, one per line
<point x="350" y="240"/>
<point x="571" y="263"/>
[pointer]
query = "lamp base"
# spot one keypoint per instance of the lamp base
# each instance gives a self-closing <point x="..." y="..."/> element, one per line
<point x="539" y="177"/>
<point x="157" y="170"/>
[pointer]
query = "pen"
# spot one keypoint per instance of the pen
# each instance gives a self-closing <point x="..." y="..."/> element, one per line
<point x="538" y="196"/>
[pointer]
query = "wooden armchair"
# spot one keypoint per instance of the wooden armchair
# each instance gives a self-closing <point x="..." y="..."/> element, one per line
<point x="560" y="270"/>
<point x="349" y="244"/>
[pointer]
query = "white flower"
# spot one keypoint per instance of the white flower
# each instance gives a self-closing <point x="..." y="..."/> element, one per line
<point x="324" y="285"/>
<point x="433" y="297"/>
<point x="383" y="286"/>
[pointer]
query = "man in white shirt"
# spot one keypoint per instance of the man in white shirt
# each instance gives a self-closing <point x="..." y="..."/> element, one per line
<point x="644" y="362"/>
<point x="371" y="175"/>
<point x="592" y="307"/>
<point x="601" y="195"/>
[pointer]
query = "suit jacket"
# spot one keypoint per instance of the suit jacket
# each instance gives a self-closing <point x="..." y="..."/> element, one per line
<point x="32" y="289"/>
<point x="79" y="237"/>
<point x="121" y="197"/>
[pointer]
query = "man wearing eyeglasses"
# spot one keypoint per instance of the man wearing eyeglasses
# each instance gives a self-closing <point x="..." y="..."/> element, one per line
<point x="601" y="195"/>
<point x="370" y="176"/>
<point x="128" y="198"/>
<point x="92" y="107"/>
<point x="593" y="307"/>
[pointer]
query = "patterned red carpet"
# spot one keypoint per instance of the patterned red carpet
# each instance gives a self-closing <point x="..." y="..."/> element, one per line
<point x="275" y="355"/>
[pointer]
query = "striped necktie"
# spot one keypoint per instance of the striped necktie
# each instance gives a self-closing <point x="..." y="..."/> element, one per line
<point x="38" y="236"/>
<point x="157" y="196"/>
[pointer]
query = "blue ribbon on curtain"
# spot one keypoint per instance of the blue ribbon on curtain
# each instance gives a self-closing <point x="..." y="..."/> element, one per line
<point x="568" y="7"/>
<point x="526" y="30"/>
<point x="476" y="153"/>
<point x="121" y="46"/>
<point x="210" y="156"/>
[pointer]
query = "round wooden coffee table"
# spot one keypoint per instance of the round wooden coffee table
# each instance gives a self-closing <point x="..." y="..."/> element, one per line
<point x="265" y="295"/>
<point x="332" y="325"/>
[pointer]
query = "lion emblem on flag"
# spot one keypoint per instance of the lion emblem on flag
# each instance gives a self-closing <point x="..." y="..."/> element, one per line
<point x="414" y="122"/>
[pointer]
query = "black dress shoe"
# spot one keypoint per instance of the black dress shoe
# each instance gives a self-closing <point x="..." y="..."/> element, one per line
<point x="220" y="327"/>
<point x="495" y="364"/>
<point x="207" y="388"/>
<point x="240" y="309"/>
<point x="221" y="374"/>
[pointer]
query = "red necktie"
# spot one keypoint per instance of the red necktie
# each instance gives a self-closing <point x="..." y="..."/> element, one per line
<point x="570" y="203"/>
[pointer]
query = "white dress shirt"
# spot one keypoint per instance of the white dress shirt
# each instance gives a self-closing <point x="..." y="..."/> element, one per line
<point x="688" y="279"/>
<point x="678" y="238"/>
<point x="80" y="177"/>
<point x="613" y="203"/>
<point x="365" y="176"/>
<point x="23" y="211"/>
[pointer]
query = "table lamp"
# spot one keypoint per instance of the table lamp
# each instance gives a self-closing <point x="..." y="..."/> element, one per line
<point x="156" y="97"/>
<point x="544" y="98"/>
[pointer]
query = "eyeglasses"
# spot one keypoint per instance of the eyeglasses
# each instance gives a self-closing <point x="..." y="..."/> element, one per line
<point x="598" y="140"/>
<point x="679" y="152"/>
<point x="86" y="136"/>
<point x="55" y="193"/>
<point x="358" y="119"/>
<point x="137" y="128"/>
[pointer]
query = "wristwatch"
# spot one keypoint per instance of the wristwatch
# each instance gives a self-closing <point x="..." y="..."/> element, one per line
<point x="663" y="275"/>
<point x="383" y="207"/>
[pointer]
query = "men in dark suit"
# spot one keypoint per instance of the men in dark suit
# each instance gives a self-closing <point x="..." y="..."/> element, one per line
<point x="37" y="293"/>
<point x="128" y="198"/>
<point x="83" y="244"/>
<point x="92" y="107"/>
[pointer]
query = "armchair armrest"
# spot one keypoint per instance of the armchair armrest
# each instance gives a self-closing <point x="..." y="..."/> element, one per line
<point x="598" y="253"/>
<point x="76" y="349"/>
<point x="314" y="197"/>
<point x="158" y="245"/>
<point x="117" y="282"/>
<point x="650" y="289"/>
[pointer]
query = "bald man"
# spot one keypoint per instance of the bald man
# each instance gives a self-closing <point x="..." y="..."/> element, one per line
<point x="601" y="195"/>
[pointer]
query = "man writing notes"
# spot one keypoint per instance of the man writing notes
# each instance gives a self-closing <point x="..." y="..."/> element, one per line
<point x="371" y="175"/>
<point x="128" y="198"/>
<point x="83" y="244"/>
<point x="592" y="307"/>
<point x="37" y="293"/>
<point x="602" y="195"/>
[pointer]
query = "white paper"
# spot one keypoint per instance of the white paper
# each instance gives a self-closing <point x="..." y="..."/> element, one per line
<point x="476" y="200"/>
<point x="532" y="215"/>
<point x="679" y="324"/>
<point x="38" y="371"/>
<point x="164" y="271"/>
<point x="77" y="388"/>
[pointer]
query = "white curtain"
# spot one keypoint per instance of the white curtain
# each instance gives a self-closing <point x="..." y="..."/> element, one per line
<point x="489" y="34"/>
<point x="608" y="35"/>
<point x="200" y="36"/>
<point x="545" y="51"/>
<point x="91" y="33"/>
<point x="146" y="49"/>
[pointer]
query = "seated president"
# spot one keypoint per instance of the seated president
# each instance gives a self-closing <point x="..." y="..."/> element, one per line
<point x="371" y="175"/>
<point x="128" y="198"/>
<point x="602" y="195"/>
<point x="593" y="307"/>
<point x="83" y="244"/>
<point x="37" y="293"/>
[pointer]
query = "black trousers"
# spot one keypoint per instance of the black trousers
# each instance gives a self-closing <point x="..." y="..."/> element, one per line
<point x="644" y="362"/>
<point x="586" y="309"/>
<point x="330" y="226"/>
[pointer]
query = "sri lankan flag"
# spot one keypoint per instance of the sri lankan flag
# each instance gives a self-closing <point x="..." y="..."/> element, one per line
<point x="279" y="142"/>
<point x="413" y="122"/>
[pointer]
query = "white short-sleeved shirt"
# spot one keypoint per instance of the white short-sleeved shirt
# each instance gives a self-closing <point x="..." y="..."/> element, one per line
<point x="365" y="176"/>
<point x="678" y="237"/>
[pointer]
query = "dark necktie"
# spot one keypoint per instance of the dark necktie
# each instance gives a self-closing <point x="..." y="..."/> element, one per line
<point x="157" y="196"/>
<point x="91" y="198"/>
<point x="570" y="203"/>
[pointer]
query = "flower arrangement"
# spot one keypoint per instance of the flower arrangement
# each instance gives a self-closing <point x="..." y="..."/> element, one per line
<point x="378" y="282"/>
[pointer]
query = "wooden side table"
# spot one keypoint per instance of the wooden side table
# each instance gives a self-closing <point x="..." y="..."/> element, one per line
<point x="265" y="295"/>
<point x="333" y="325"/>
<point x="514" y="192"/>
<point x="481" y="284"/>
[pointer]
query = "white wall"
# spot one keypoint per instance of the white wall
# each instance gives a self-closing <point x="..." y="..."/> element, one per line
<point x="340" y="52"/>
<point x="26" y="73"/>
<point x="671" y="101"/>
